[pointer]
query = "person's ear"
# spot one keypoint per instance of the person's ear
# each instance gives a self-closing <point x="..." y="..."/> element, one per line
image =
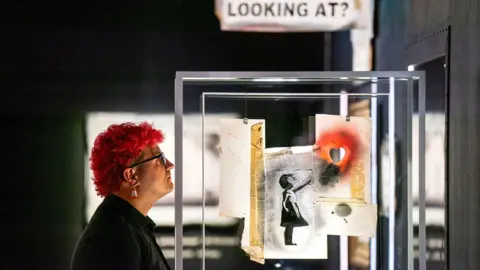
<point x="129" y="175"/>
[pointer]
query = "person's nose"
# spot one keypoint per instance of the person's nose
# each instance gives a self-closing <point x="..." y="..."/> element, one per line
<point x="169" y="165"/>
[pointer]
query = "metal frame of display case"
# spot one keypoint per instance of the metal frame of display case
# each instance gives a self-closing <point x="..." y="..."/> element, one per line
<point x="311" y="77"/>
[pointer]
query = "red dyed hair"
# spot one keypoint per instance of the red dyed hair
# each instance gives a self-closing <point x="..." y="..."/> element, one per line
<point x="115" y="149"/>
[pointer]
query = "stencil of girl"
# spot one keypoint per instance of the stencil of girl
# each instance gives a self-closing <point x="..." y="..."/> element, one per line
<point x="291" y="216"/>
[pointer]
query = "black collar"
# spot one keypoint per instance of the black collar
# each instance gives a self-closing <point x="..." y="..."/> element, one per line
<point x="130" y="213"/>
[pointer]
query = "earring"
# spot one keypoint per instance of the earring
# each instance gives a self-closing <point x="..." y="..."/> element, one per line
<point x="134" y="190"/>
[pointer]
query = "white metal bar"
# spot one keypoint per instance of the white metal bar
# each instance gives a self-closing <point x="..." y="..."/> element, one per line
<point x="409" y="114"/>
<point x="178" y="174"/>
<point x="374" y="169"/>
<point x="345" y="75"/>
<point x="203" y="182"/>
<point x="392" y="175"/>
<point x="421" y="179"/>
<point x="290" y="95"/>
<point x="343" y="238"/>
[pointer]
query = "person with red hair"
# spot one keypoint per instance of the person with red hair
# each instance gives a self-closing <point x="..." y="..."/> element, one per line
<point x="132" y="173"/>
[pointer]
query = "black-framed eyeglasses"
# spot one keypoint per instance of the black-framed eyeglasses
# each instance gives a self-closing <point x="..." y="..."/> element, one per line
<point x="160" y="156"/>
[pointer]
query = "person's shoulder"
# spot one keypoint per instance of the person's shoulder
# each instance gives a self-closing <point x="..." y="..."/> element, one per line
<point x="110" y="227"/>
<point x="106" y="230"/>
<point x="100" y="244"/>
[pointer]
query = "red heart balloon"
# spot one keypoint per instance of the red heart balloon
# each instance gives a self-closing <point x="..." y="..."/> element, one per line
<point x="336" y="138"/>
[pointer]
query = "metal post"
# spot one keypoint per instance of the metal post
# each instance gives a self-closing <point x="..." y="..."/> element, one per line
<point x="410" y="256"/>
<point x="203" y="181"/>
<point x="374" y="168"/>
<point x="343" y="238"/>
<point x="392" y="175"/>
<point x="421" y="179"/>
<point x="178" y="174"/>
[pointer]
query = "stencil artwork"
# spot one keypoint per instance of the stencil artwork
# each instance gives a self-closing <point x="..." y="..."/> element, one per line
<point x="342" y="173"/>
<point x="292" y="198"/>
<point x="291" y="215"/>
<point x="343" y="177"/>
<point x="319" y="190"/>
<point x="289" y="211"/>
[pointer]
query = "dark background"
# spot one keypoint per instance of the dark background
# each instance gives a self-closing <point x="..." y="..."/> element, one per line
<point x="59" y="60"/>
<point x="415" y="32"/>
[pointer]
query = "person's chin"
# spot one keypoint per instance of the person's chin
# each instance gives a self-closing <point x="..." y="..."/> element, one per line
<point x="170" y="185"/>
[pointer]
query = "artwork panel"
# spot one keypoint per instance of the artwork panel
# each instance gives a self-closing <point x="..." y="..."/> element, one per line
<point x="257" y="259"/>
<point x="350" y="187"/>
<point x="289" y="211"/>
<point x="245" y="241"/>
<point x="345" y="217"/>
<point x="235" y="156"/>
<point x="234" y="168"/>
<point x="255" y="253"/>
<point x="256" y="189"/>
<point x="355" y="183"/>
<point x="279" y="161"/>
<point x="359" y="247"/>
<point x="360" y="178"/>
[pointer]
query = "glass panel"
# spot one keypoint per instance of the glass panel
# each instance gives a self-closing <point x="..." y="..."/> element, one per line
<point x="395" y="160"/>
<point x="293" y="114"/>
<point x="435" y="176"/>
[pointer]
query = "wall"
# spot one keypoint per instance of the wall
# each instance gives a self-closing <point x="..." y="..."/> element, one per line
<point x="464" y="134"/>
<point x="42" y="211"/>
<point x="65" y="57"/>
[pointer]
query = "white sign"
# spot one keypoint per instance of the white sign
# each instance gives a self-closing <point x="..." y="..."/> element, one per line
<point x="292" y="15"/>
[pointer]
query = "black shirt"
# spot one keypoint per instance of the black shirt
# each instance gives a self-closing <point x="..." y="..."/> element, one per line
<point x="118" y="237"/>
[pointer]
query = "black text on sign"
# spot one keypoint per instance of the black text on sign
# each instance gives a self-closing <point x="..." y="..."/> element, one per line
<point x="273" y="9"/>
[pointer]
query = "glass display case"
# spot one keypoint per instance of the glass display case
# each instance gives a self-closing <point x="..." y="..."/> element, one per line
<point x="298" y="172"/>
